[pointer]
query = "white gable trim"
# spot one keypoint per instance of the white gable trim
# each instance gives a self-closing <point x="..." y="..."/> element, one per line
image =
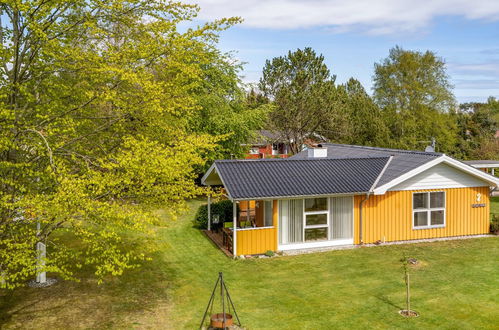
<point x="213" y="168"/>
<point x="440" y="176"/>
<point x="491" y="180"/>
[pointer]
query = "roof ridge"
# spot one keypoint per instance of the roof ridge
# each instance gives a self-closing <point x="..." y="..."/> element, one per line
<point x="296" y="159"/>
<point x="385" y="149"/>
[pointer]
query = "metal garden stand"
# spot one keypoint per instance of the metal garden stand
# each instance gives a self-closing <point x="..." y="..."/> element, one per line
<point x="225" y="301"/>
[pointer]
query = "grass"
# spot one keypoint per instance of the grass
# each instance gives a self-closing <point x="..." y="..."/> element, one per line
<point x="455" y="286"/>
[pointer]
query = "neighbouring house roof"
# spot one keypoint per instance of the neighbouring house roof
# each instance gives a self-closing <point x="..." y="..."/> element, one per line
<point x="402" y="162"/>
<point x="483" y="163"/>
<point x="265" y="137"/>
<point x="272" y="178"/>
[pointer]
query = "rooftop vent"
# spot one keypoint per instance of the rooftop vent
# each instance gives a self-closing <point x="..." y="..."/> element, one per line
<point x="319" y="152"/>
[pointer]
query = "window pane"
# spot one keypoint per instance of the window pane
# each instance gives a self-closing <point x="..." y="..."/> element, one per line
<point x="437" y="199"/>
<point x="437" y="218"/>
<point x="420" y="201"/>
<point x="316" y="219"/>
<point x="420" y="219"/>
<point x="315" y="204"/>
<point x="316" y="234"/>
<point x="268" y="214"/>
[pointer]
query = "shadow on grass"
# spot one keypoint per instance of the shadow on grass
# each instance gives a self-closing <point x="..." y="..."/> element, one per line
<point x="119" y="301"/>
<point x="387" y="301"/>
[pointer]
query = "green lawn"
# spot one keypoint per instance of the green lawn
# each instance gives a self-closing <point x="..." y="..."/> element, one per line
<point x="455" y="286"/>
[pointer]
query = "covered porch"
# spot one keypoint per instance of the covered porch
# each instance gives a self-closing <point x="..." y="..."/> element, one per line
<point x="252" y="229"/>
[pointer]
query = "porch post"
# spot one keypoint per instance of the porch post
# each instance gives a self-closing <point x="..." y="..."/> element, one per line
<point x="234" y="224"/>
<point x="493" y="171"/>
<point x="209" y="210"/>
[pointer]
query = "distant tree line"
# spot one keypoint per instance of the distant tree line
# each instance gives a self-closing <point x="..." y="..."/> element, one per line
<point x="412" y="102"/>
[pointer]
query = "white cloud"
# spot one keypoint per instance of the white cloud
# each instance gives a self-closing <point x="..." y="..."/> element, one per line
<point x="373" y="17"/>
<point x="486" y="68"/>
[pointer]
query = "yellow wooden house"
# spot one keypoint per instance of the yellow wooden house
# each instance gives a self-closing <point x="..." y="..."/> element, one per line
<point x="343" y="195"/>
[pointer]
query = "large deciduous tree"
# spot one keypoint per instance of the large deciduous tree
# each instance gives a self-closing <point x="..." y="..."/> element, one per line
<point x="478" y="125"/>
<point x="96" y="102"/>
<point x="301" y="88"/>
<point x="225" y="110"/>
<point x="414" y="92"/>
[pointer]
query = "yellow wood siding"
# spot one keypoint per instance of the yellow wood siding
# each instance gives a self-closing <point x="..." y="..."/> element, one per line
<point x="258" y="241"/>
<point x="389" y="217"/>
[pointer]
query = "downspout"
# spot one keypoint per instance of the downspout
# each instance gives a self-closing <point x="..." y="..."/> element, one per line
<point x="367" y="197"/>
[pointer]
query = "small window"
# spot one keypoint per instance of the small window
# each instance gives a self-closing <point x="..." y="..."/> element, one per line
<point x="315" y="204"/>
<point x="428" y="210"/>
<point x="254" y="151"/>
<point x="316" y="219"/>
<point x="316" y="234"/>
<point x="268" y="218"/>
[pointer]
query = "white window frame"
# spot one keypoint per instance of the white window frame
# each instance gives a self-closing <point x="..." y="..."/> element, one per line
<point x="305" y="213"/>
<point x="275" y="151"/>
<point x="254" y="151"/>
<point x="429" y="209"/>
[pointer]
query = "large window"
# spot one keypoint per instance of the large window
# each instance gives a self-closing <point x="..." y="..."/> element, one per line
<point x="428" y="210"/>
<point x="316" y="219"/>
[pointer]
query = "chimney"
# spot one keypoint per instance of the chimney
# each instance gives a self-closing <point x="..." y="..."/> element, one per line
<point x="317" y="152"/>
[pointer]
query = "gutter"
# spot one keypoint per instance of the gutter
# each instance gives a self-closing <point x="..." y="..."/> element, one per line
<point x="371" y="190"/>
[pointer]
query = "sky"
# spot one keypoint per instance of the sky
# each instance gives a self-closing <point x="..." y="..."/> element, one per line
<point x="354" y="34"/>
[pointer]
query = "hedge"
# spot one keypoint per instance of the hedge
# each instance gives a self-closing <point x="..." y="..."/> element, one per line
<point x="222" y="208"/>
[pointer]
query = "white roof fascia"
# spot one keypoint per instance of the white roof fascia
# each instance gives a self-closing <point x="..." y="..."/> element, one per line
<point x="205" y="176"/>
<point x="484" y="165"/>
<point x="494" y="181"/>
<point x="300" y="196"/>
<point x="212" y="168"/>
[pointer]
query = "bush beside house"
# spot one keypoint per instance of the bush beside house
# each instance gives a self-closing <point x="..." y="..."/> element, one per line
<point x="494" y="224"/>
<point x="222" y="208"/>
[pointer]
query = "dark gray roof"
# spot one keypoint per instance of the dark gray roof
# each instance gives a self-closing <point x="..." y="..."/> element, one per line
<point x="402" y="162"/>
<point x="269" y="178"/>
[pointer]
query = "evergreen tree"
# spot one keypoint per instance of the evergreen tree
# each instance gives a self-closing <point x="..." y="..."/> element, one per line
<point x="302" y="91"/>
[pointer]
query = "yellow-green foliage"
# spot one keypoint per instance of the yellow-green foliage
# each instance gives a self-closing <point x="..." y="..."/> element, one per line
<point x="96" y="101"/>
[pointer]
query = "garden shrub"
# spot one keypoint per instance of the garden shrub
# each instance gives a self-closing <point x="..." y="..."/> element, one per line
<point x="222" y="208"/>
<point x="494" y="224"/>
<point x="270" y="253"/>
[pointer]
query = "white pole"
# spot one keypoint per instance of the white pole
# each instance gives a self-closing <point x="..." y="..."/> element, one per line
<point x="41" y="254"/>
<point x="209" y="211"/>
<point x="234" y="224"/>
<point x="41" y="276"/>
